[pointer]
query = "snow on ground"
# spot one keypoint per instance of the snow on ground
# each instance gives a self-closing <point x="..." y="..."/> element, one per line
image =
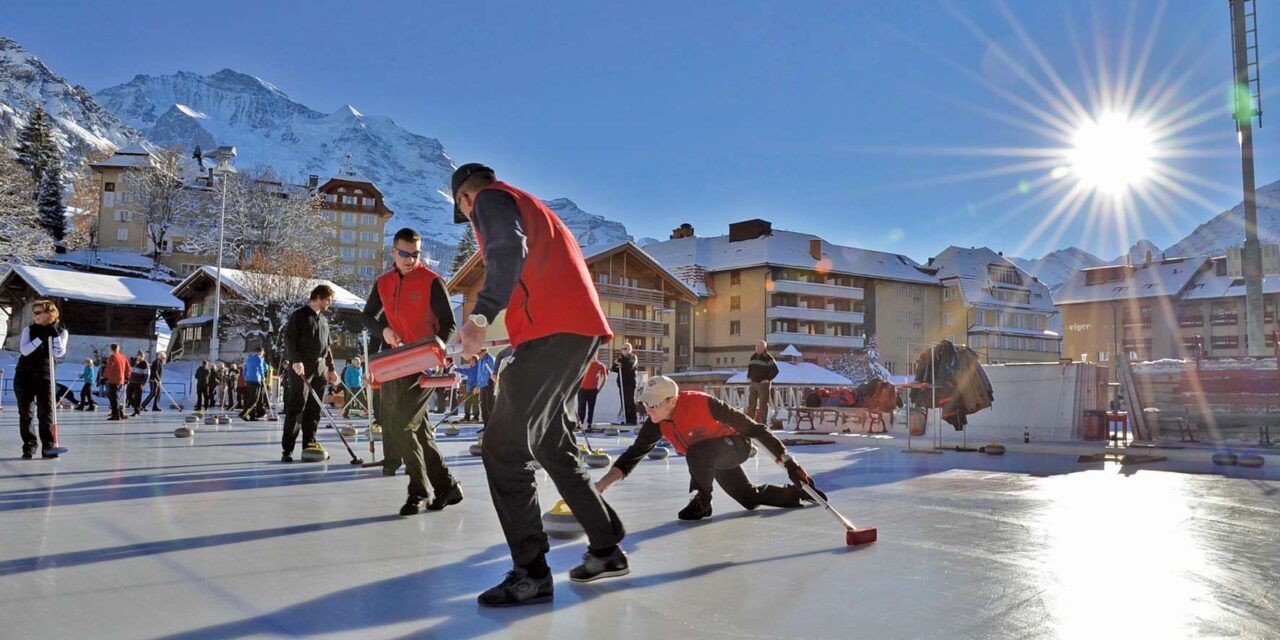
<point x="136" y="533"/>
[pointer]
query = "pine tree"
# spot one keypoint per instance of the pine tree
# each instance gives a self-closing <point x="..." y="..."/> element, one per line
<point x="49" y="202"/>
<point x="38" y="152"/>
<point x="467" y="246"/>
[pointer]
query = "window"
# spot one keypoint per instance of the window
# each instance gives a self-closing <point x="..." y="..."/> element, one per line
<point x="330" y="198"/>
<point x="329" y="215"/>
<point x="368" y="236"/>
<point x="947" y="319"/>
<point x="977" y="342"/>
<point x="109" y="187"/>
<point x="1008" y="275"/>
<point x="366" y="271"/>
<point x="735" y="277"/>
<point x="1103" y="356"/>
<point x="348" y="254"/>
<point x="682" y="350"/>
<point x="1225" y="342"/>
<point x="347" y="269"/>
<point x="366" y="219"/>
<point x="185" y="270"/>
<point x="735" y="303"/>
<point x="348" y="219"/>
<point x="351" y="200"/>
<point x="683" y="317"/>
<point x="1224" y="315"/>
<point x="124" y="216"/>
<point x="735" y="327"/>
<point x="122" y="234"/>
<point x="348" y="237"/>
<point x="368" y="254"/>
<point x="368" y="202"/>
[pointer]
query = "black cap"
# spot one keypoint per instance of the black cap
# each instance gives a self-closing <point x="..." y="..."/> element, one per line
<point x="460" y="176"/>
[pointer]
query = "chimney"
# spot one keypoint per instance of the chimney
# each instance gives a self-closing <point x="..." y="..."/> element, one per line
<point x="749" y="230"/>
<point x="313" y="181"/>
<point x="683" y="231"/>
<point x="815" y="248"/>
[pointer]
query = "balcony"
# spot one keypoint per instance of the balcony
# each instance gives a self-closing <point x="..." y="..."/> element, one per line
<point x="815" y="289"/>
<point x="819" y="315"/>
<point x="644" y="357"/>
<point x="637" y="327"/>
<point x="814" y="340"/>
<point x="634" y="295"/>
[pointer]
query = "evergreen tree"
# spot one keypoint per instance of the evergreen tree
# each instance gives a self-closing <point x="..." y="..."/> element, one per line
<point x="49" y="202"/>
<point x="37" y="151"/>
<point x="467" y="246"/>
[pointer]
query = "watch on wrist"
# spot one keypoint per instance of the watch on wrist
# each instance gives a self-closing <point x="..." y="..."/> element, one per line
<point x="478" y="319"/>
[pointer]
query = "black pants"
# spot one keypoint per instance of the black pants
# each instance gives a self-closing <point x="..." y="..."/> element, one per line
<point x="35" y="397"/>
<point x="113" y="395"/>
<point x="301" y="411"/>
<point x="721" y="460"/>
<point x="133" y="396"/>
<point x="486" y="401"/>
<point x="533" y="419"/>
<point x="153" y="394"/>
<point x="404" y="424"/>
<point x="629" y="401"/>
<point x="587" y="406"/>
<point x="252" y="397"/>
<point x="86" y="397"/>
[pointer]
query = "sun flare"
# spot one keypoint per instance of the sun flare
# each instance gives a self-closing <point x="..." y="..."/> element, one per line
<point x="1112" y="154"/>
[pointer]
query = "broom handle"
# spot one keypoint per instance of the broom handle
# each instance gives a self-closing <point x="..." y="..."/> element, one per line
<point x="817" y="498"/>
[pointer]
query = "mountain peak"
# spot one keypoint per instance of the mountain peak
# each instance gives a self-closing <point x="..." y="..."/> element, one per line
<point x="347" y="111"/>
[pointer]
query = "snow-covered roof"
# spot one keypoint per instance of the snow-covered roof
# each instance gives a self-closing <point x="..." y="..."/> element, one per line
<point x="594" y="251"/>
<point x="1147" y="280"/>
<point x="236" y="280"/>
<point x="195" y="320"/>
<point x="133" y="155"/>
<point x="121" y="259"/>
<point x="785" y="249"/>
<point x="968" y="268"/>
<point x="93" y="287"/>
<point x="1208" y="284"/>
<point x="800" y="373"/>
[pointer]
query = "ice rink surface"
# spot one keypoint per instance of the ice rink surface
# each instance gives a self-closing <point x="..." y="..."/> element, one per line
<point x="138" y="534"/>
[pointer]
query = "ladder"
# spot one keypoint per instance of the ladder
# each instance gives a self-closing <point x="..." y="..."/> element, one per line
<point x="1134" y="405"/>
<point x="1248" y="99"/>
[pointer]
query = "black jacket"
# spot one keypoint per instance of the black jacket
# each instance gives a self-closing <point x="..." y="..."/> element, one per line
<point x="625" y="366"/>
<point x="306" y="340"/>
<point x="762" y="367"/>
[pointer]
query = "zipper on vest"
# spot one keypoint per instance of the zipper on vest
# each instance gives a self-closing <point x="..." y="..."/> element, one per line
<point x="525" y="305"/>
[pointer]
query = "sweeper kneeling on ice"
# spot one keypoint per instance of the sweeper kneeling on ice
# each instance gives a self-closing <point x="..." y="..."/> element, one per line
<point x="715" y="440"/>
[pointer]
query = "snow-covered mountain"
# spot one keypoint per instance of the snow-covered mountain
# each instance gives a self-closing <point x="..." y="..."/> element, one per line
<point x="1227" y="228"/>
<point x="1057" y="266"/>
<point x="1137" y="254"/>
<point x="82" y="125"/>
<point x="588" y="228"/>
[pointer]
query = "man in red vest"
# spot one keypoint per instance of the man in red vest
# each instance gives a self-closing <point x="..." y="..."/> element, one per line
<point x="534" y="269"/>
<point x="591" y="383"/>
<point x="407" y="304"/>
<point x="715" y="440"/>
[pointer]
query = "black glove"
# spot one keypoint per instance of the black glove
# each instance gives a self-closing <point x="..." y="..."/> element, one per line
<point x="799" y="477"/>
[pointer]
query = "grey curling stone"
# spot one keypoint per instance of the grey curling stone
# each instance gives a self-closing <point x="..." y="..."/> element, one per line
<point x="560" y="522"/>
<point x="993" y="449"/>
<point x="1225" y="458"/>
<point x="192" y="420"/>
<point x="475" y="448"/>
<point x="611" y="431"/>
<point x="314" y="455"/>
<point x="184" y="432"/>
<point x="347" y="431"/>
<point x="222" y="420"/>
<point x="1250" y="459"/>
<point x="599" y="460"/>
<point x="659" y="453"/>
<point x="451" y="430"/>
<point x="211" y="420"/>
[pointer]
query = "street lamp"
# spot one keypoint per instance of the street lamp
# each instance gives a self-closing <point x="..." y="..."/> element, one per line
<point x="223" y="156"/>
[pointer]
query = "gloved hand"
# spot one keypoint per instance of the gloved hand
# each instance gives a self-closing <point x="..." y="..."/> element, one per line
<point x="799" y="476"/>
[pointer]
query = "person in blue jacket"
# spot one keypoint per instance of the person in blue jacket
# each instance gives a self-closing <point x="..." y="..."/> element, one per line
<point x="352" y="383"/>
<point x="255" y="373"/>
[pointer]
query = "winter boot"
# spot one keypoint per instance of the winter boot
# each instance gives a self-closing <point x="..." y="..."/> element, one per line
<point x="450" y="496"/>
<point x="699" y="507"/>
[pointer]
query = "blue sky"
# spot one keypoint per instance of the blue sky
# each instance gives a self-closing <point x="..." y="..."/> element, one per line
<point x="885" y="125"/>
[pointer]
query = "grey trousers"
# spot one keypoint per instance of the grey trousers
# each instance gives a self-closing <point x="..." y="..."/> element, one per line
<point x="534" y="418"/>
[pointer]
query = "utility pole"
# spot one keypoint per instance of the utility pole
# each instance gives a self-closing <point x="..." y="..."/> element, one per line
<point x="1247" y="102"/>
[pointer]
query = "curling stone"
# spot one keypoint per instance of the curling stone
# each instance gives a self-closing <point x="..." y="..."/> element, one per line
<point x="598" y="459"/>
<point x="475" y="448"/>
<point x="347" y="431"/>
<point x="184" y="432"/>
<point x="192" y="420"/>
<point x="211" y="419"/>
<point x="1225" y="458"/>
<point x="375" y="433"/>
<point x="222" y="420"/>
<point x="1250" y="459"/>
<point x="659" y="453"/>
<point x="994" y="449"/>
<point x="451" y="430"/>
<point x="611" y="431"/>
<point x="559" y="522"/>
<point x="314" y="455"/>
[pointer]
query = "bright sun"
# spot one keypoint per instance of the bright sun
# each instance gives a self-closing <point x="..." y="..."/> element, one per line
<point x="1111" y="154"/>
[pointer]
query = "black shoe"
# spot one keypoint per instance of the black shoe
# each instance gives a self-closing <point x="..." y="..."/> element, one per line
<point x="518" y="588"/>
<point x="593" y="568"/>
<point x="27" y="455"/>
<point x="451" y="496"/>
<point x="412" y="506"/>
<point x="155" y="408"/>
<point x="699" y="507"/>
<point x="388" y="471"/>
<point x="286" y="457"/>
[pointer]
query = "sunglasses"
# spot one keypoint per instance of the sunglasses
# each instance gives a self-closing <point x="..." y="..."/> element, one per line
<point x="654" y="405"/>
<point x="408" y="254"/>
<point x="41" y="312"/>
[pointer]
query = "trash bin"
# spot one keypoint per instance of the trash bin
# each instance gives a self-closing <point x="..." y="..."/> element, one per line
<point x="1095" y="425"/>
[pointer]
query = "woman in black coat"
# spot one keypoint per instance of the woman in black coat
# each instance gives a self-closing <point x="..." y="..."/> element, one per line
<point x="33" y="378"/>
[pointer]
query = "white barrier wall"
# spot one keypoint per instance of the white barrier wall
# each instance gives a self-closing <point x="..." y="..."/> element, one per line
<point x="1046" y="399"/>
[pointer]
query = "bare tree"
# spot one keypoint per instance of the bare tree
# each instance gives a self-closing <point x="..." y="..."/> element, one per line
<point x="85" y="203"/>
<point x="272" y="289"/>
<point x="161" y="198"/>
<point x="22" y="238"/>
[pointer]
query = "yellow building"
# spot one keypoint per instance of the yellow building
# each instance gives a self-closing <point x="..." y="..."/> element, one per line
<point x="637" y="295"/>
<point x="796" y="289"/>
<point x="357" y="217"/>
<point x="997" y="309"/>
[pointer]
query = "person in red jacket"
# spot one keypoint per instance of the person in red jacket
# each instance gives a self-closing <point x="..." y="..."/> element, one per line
<point x="410" y="303"/>
<point x="534" y="269"/>
<point x="715" y="440"/>
<point x="591" y="383"/>
<point x="117" y="374"/>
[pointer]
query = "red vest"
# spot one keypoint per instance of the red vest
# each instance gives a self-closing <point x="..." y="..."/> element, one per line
<point x="596" y="372"/>
<point x="406" y="302"/>
<point x="691" y="422"/>
<point x="554" y="293"/>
